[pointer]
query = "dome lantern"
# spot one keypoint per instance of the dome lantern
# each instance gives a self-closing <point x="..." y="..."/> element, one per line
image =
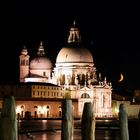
<point x="41" y="50"/>
<point x="74" y="34"/>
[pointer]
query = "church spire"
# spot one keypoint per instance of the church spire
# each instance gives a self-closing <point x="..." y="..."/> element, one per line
<point x="41" y="49"/>
<point x="74" y="34"/>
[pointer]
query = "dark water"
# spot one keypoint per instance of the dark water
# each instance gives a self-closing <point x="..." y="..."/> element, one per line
<point x="51" y="130"/>
<point x="102" y="135"/>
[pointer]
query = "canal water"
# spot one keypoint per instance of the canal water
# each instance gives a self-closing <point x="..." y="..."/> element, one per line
<point x="51" y="130"/>
<point x="100" y="135"/>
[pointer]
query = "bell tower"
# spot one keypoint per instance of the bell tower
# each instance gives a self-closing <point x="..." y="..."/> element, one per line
<point x="24" y="64"/>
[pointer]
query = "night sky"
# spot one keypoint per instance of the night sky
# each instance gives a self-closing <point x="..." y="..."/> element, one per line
<point x="111" y="31"/>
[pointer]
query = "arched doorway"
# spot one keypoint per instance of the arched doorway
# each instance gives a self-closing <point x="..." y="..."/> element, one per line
<point x="35" y="111"/>
<point x="47" y="111"/>
<point x="20" y="111"/>
<point x="60" y="111"/>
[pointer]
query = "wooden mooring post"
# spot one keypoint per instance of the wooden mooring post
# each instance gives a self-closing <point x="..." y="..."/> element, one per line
<point x="8" y="120"/>
<point x="67" y="120"/>
<point x="139" y="123"/>
<point x="88" y="122"/>
<point x="123" y="121"/>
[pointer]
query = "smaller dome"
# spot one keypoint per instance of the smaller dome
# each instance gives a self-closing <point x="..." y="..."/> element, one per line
<point x="41" y="63"/>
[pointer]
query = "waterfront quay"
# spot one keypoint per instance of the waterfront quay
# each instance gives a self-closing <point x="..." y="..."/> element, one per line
<point x="50" y="129"/>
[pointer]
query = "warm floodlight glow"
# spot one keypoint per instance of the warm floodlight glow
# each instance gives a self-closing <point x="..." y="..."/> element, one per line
<point x="18" y="110"/>
<point x="116" y="110"/>
<point x="42" y="110"/>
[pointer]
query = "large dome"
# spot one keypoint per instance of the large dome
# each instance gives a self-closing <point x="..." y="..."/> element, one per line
<point x="74" y="55"/>
<point x="40" y="62"/>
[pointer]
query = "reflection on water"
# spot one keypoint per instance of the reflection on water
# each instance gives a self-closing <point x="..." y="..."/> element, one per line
<point x="54" y="132"/>
<point x="106" y="136"/>
<point x="49" y="135"/>
<point x="100" y="135"/>
<point x="51" y="130"/>
<point x="43" y="136"/>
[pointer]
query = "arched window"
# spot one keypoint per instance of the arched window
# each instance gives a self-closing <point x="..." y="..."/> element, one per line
<point x="60" y="107"/>
<point x="35" y="107"/>
<point x="85" y="95"/>
<point x="48" y="107"/>
<point x="22" y="110"/>
<point x="60" y="111"/>
<point x="35" y="112"/>
<point x="22" y="106"/>
<point x="48" y="110"/>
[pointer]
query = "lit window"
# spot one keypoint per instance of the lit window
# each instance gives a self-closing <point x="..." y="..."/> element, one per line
<point x="85" y="95"/>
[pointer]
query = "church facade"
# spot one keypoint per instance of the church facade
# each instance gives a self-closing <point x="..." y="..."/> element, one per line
<point x="74" y="77"/>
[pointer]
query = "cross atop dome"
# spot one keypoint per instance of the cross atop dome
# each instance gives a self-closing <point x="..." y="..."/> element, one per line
<point x="41" y="51"/>
<point x="74" y="34"/>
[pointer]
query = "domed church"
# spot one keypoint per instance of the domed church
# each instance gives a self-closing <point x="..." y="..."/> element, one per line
<point x="39" y="69"/>
<point x="74" y="72"/>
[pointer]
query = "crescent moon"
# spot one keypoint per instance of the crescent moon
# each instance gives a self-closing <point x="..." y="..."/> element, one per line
<point x="121" y="78"/>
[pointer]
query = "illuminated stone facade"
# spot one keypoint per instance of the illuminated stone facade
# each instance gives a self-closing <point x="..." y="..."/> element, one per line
<point x="74" y="73"/>
<point x="40" y="99"/>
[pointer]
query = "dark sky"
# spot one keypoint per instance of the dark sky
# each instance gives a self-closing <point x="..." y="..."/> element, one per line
<point x="110" y="30"/>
